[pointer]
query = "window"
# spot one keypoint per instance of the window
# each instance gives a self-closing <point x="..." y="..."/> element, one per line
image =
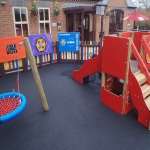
<point x="20" y="21"/>
<point x="44" y="20"/>
<point x="128" y="22"/>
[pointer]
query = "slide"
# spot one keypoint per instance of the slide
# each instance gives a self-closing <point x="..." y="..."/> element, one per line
<point x="90" y="67"/>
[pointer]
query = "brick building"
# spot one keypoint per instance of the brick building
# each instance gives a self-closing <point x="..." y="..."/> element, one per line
<point x="16" y="18"/>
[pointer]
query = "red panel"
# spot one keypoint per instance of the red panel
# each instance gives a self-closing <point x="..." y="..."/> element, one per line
<point x="147" y="39"/>
<point x="126" y="34"/>
<point x="91" y="66"/>
<point x="111" y="100"/>
<point x="138" y="38"/>
<point x="146" y="55"/>
<point x="10" y="50"/>
<point x="114" y="56"/>
<point x="128" y="107"/>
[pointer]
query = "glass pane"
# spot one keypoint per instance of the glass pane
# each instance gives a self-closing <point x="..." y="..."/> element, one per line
<point x="18" y="29"/>
<point x="23" y="15"/>
<point x="46" y="14"/>
<point x="17" y="14"/>
<point x="41" y="14"/>
<point x="41" y="28"/>
<point x="47" y="27"/>
<point x="25" y="29"/>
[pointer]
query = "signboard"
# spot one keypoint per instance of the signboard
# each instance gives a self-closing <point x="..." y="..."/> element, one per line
<point x="69" y="41"/>
<point x="10" y="49"/>
<point x="41" y="44"/>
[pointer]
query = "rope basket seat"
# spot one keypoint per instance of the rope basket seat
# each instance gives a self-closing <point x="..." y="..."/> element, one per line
<point x="11" y="105"/>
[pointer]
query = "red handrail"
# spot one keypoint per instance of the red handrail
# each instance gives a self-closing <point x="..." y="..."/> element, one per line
<point x="145" y="45"/>
<point x="140" y="62"/>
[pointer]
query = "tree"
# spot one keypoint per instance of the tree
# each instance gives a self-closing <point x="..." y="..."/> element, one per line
<point x="142" y="3"/>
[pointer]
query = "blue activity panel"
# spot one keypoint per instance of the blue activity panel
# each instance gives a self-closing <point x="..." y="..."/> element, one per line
<point x="69" y="41"/>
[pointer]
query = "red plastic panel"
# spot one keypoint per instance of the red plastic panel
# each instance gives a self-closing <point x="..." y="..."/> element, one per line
<point x="138" y="38"/>
<point x="91" y="66"/>
<point x="126" y="34"/>
<point x="146" y="55"/>
<point x="111" y="100"/>
<point x="147" y="39"/>
<point x="114" y="56"/>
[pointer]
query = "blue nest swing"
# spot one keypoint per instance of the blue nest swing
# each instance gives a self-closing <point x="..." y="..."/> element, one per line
<point x="11" y="105"/>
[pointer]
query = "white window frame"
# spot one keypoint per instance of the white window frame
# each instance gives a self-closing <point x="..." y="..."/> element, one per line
<point x="47" y="21"/>
<point x="129" y="22"/>
<point x="21" y="22"/>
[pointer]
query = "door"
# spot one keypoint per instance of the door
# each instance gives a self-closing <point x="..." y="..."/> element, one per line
<point x="115" y="21"/>
<point x="86" y="27"/>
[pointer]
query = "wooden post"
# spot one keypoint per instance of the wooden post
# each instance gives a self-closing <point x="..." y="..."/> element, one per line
<point x="35" y="74"/>
<point x="103" y="79"/>
<point x="124" y="94"/>
<point x="2" y="71"/>
<point x="24" y="64"/>
<point x="142" y="48"/>
<point x="120" y="35"/>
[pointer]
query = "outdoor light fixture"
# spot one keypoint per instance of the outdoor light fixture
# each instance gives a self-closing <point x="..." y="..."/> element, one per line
<point x="100" y="10"/>
<point x="3" y="2"/>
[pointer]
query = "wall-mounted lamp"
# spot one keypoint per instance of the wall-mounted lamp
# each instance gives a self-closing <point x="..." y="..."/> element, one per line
<point x="59" y="26"/>
<point x="3" y="2"/>
<point x="100" y="10"/>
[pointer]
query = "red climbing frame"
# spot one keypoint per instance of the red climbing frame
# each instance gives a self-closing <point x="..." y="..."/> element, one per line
<point x="121" y="90"/>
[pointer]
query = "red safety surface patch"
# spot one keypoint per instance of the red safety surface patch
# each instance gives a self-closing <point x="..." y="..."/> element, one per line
<point x="7" y="105"/>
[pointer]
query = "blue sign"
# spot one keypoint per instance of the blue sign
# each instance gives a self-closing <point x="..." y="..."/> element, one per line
<point x="69" y="41"/>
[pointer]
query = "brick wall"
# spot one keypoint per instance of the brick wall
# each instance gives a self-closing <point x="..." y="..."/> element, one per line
<point x="60" y="18"/>
<point x="33" y="21"/>
<point x="122" y="4"/>
<point x="6" y="20"/>
<point x="7" y="24"/>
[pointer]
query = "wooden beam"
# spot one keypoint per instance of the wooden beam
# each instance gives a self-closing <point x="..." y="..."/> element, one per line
<point x="35" y="74"/>
<point x="124" y="94"/>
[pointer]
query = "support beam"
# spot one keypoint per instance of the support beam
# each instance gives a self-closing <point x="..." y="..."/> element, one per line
<point x="36" y="74"/>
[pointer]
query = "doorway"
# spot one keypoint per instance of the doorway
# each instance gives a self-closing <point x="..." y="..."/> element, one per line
<point x="115" y="21"/>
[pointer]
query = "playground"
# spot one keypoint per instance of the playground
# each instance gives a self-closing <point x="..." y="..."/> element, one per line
<point x="76" y="120"/>
<point x="78" y="112"/>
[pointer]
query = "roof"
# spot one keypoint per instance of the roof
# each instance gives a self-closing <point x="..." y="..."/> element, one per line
<point x="79" y="9"/>
<point x="130" y="4"/>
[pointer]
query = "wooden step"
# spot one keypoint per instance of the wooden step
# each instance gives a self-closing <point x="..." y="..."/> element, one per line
<point x="147" y="101"/>
<point x="145" y="90"/>
<point x="138" y="72"/>
<point x="140" y="78"/>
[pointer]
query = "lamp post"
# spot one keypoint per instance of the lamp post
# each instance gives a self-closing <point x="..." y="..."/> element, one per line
<point x="100" y="10"/>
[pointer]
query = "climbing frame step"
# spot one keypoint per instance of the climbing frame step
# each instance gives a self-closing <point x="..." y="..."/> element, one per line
<point x="138" y="72"/>
<point x="145" y="90"/>
<point x="140" y="78"/>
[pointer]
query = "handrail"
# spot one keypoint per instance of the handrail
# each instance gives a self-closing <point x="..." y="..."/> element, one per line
<point x="145" y="45"/>
<point x="140" y="62"/>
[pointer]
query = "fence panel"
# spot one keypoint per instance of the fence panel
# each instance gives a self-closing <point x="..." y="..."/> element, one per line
<point x="55" y="57"/>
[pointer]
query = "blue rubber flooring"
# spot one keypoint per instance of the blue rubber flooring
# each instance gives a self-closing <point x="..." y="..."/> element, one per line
<point x="77" y="120"/>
